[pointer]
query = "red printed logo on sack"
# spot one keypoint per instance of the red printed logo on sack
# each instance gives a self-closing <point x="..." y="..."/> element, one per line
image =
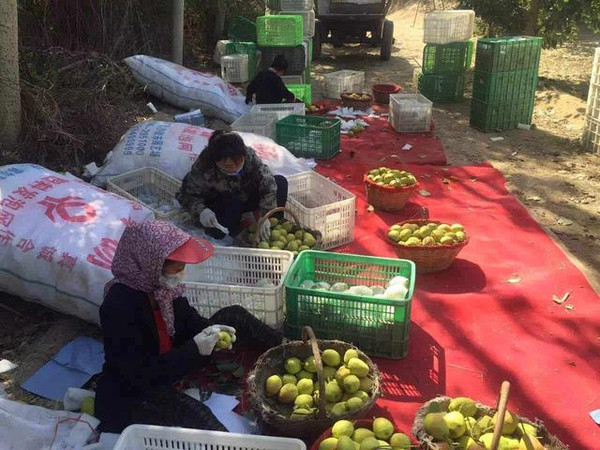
<point x="70" y="209"/>
<point x="103" y="253"/>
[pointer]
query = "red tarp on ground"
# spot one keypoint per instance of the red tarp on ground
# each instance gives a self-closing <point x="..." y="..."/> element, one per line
<point x="472" y="328"/>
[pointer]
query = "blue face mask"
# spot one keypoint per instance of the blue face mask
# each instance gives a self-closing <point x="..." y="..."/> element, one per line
<point x="235" y="172"/>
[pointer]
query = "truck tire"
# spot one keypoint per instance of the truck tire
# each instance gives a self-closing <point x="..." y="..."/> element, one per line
<point x="316" y="52"/>
<point x="387" y="40"/>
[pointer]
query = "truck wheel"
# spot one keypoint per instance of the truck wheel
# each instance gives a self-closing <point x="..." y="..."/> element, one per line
<point x="316" y="52"/>
<point x="387" y="40"/>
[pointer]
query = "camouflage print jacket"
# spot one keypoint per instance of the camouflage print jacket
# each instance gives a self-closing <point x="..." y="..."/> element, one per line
<point x="199" y="189"/>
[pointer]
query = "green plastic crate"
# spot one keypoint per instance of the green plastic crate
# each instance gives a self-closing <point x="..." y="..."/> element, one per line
<point x="307" y="78"/>
<point x="377" y="326"/>
<point x="301" y="91"/>
<point x="442" y="88"/>
<point x="505" y="54"/>
<point x="241" y="29"/>
<point x="280" y="30"/>
<point x="244" y="48"/>
<point x="504" y="87"/>
<point x="444" y="58"/>
<point x="489" y="117"/>
<point x="310" y="136"/>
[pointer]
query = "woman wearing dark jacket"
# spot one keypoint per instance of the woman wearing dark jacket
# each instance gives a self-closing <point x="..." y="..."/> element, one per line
<point x="227" y="180"/>
<point x="153" y="337"/>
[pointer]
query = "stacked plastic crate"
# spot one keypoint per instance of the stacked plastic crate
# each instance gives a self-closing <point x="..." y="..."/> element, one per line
<point x="504" y="82"/>
<point x="591" y="131"/>
<point x="447" y="55"/>
<point x="288" y="29"/>
<point x="238" y="56"/>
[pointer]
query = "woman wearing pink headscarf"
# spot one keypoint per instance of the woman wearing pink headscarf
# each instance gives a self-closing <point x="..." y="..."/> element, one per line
<point x="153" y="337"/>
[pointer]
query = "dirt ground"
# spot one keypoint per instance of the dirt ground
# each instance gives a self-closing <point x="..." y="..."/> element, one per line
<point x="545" y="168"/>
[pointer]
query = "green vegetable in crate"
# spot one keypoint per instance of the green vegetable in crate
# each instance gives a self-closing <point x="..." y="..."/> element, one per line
<point x="385" y="176"/>
<point x="432" y="234"/>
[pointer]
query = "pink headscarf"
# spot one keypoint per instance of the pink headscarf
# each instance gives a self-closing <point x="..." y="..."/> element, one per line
<point x="139" y="260"/>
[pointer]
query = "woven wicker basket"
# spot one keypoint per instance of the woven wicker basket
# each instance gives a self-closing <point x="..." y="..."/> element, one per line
<point x="277" y="416"/>
<point x="356" y="104"/>
<point x="321" y="110"/>
<point x="549" y="441"/>
<point x="387" y="199"/>
<point x="428" y="258"/>
<point x="316" y="233"/>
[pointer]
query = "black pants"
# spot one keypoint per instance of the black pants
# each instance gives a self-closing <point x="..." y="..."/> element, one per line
<point x="165" y="406"/>
<point x="229" y="210"/>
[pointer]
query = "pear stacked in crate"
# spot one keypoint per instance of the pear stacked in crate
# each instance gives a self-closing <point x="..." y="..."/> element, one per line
<point x="591" y="131"/>
<point x="504" y="82"/>
<point x="287" y="29"/>
<point x="447" y="55"/>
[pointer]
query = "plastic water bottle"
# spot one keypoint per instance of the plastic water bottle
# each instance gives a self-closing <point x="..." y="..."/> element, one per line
<point x="194" y="117"/>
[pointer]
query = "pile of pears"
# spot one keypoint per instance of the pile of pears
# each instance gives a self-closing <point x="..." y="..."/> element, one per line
<point x="381" y="435"/>
<point x="431" y="234"/>
<point x="347" y="384"/>
<point x="392" y="177"/>
<point x="285" y="235"/>
<point x="465" y="427"/>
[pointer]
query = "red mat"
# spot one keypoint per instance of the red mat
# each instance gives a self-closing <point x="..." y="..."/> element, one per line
<point x="426" y="148"/>
<point x="472" y="327"/>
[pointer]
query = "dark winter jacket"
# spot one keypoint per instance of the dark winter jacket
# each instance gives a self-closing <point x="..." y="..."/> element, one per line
<point x="200" y="188"/>
<point x="132" y="361"/>
<point x="269" y="88"/>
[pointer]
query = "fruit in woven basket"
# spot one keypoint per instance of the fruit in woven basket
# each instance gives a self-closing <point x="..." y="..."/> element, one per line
<point x="339" y="408"/>
<point x="428" y="235"/>
<point x="358" y="367"/>
<point x="400" y="441"/>
<point x="289" y="378"/>
<point x="463" y="405"/>
<point x="362" y="395"/>
<point x="345" y="443"/>
<point x="456" y="424"/>
<point x="273" y="385"/>
<point x="309" y="364"/>
<point x="304" y="401"/>
<point x="293" y="365"/>
<point x="365" y="384"/>
<point x="350" y="353"/>
<point x="328" y="444"/>
<point x="526" y="428"/>
<point x="529" y="442"/>
<point x="484" y="424"/>
<point x="436" y="426"/>
<point x="354" y="403"/>
<point x="285" y="235"/>
<point x="304" y="374"/>
<point x="341" y="373"/>
<point x="330" y="356"/>
<point x="351" y="383"/>
<point x="361" y="434"/>
<point x="385" y="176"/>
<point x="369" y="443"/>
<point x="288" y="393"/>
<point x="329" y="373"/>
<point x="333" y="392"/>
<point x="510" y="423"/>
<point x="305" y="386"/>
<point x="383" y="428"/>
<point x="342" y="428"/>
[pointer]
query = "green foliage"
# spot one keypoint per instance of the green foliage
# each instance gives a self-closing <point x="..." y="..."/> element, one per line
<point x="557" y="20"/>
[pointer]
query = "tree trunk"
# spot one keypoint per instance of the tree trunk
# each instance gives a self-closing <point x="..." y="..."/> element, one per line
<point x="10" y="94"/>
<point x="531" y="27"/>
<point x="215" y="21"/>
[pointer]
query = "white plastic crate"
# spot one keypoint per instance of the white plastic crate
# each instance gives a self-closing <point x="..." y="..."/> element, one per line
<point x="593" y="102"/>
<point x="591" y="135"/>
<point x="230" y="277"/>
<point x="261" y="123"/>
<point x="342" y="81"/>
<point x="322" y="205"/>
<point x="152" y="437"/>
<point x="281" y="109"/>
<point x="220" y="51"/>
<point x="410" y="112"/>
<point x="444" y="27"/>
<point x="308" y="18"/>
<point x="234" y="68"/>
<point x="292" y="79"/>
<point x="290" y="5"/>
<point x="138" y="184"/>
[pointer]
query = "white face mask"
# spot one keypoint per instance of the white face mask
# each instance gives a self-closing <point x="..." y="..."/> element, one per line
<point x="172" y="281"/>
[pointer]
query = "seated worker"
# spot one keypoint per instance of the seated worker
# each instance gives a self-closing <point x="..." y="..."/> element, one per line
<point x="227" y="180"/>
<point x="153" y="337"/>
<point x="268" y="85"/>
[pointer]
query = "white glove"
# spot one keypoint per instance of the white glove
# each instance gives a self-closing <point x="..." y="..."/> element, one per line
<point x="207" y="338"/>
<point x="208" y="219"/>
<point x="265" y="231"/>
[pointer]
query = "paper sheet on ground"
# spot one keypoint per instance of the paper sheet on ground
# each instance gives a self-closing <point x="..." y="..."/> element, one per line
<point x="73" y="366"/>
<point x="222" y="407"/>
